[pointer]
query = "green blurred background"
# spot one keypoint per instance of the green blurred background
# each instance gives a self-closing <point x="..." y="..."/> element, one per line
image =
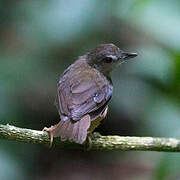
<point x="39" y="39"/>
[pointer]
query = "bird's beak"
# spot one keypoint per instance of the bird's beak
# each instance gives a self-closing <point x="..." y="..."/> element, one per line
<point x="128" y="55"/>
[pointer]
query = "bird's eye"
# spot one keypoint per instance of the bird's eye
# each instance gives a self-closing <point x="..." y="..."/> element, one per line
<point x="108" y="59"/>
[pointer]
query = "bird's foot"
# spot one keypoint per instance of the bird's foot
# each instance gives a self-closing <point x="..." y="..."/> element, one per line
<point x="96" y="134"/>
<point x="50" y="132"/>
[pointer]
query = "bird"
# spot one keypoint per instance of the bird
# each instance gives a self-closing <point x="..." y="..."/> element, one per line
<point x="84" y="91"/>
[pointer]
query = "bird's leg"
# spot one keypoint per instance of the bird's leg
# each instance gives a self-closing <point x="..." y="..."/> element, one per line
<point x="89" y="140"/>
<point x="94" y="125"/>
<point x="50" y="132"/>
<point x="51" y="129"/>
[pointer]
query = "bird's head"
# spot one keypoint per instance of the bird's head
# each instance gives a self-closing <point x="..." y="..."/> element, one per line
<point x="106" y="57"/>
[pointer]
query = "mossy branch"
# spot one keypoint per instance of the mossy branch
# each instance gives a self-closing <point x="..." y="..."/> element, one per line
<point x="99" y="142"/>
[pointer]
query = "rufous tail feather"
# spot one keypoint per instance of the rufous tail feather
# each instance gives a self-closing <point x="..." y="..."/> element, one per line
<point x="72" y="131"/>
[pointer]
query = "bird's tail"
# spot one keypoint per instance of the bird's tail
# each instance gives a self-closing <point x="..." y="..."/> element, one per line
<point x="72" y="131"/>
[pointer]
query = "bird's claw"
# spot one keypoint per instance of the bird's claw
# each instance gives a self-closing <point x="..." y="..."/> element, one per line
<point x="50" y="132"/>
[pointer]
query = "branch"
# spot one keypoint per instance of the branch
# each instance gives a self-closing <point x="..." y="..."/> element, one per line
<point x="98" y="142"/>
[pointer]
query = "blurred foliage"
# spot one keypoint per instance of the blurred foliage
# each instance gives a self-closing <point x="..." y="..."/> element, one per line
<point x="39" y="39"/>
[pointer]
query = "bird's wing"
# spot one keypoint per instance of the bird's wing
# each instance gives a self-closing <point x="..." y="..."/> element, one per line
<point x="82" y="93"/>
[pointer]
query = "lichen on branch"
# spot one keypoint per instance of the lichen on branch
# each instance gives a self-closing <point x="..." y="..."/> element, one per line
<point x="99" y="142"/>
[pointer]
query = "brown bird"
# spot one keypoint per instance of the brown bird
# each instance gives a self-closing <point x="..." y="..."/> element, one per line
<point x="84" y="90"/>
